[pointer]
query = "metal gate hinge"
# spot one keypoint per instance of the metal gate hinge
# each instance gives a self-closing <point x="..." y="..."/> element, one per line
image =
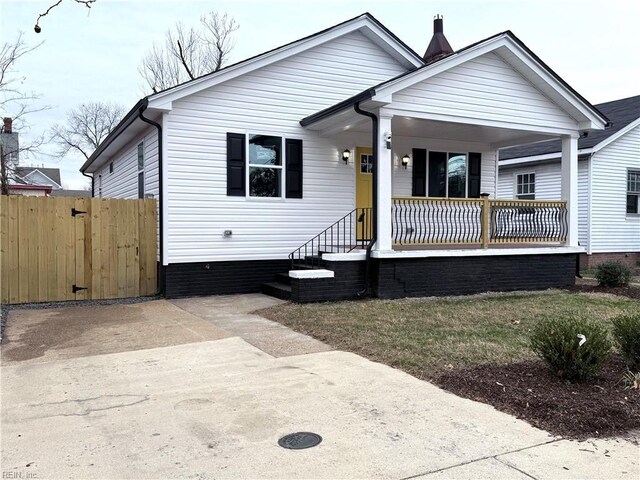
<point x="75" y="288"/>
<point x="75" y="212"/>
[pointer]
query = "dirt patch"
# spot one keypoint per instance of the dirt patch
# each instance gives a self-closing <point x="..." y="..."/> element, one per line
<point x="530" y="391"/>
<point x="629" y="291"/>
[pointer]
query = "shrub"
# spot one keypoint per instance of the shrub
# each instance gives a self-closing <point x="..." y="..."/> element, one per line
<point x="613" y="274"/>
<point x="626" y="332"/>
<point x="557" y="342"/>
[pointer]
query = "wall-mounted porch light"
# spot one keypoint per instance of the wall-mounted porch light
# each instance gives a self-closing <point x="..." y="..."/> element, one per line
<point x="346" y="155"/>
<point x="405" y="161"/>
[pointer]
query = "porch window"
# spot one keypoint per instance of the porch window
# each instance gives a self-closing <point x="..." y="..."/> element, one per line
<point x="633" y="192"/>
<point x="526" y="186"/>
<point x="265" y="166"/>
<point x="446" y="174"/>
<point x="457" y="175"/>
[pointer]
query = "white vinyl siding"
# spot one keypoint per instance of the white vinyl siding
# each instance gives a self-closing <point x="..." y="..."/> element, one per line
<point x="483" y="88"/>
<point x="270" y="100"/>
<point x="123" y="181"/>
<point x="548" y="187"/>
<point x="402" y="179"/>
<point x="613" y="230"/>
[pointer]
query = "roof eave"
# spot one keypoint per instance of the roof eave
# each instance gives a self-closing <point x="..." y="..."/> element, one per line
<point x="126" y="121"/>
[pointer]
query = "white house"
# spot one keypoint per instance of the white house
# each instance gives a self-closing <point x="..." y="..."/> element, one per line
<point x="344" y="163"/>
<point x="608" y="182"/>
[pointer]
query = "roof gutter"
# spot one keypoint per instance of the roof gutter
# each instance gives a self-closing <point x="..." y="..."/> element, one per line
<point x="374" y="193"/>
<point x="90" y="177"/>
<point x="128" y="119"/>
<point x="141" y="110"/>
<point x="339" y="107"/>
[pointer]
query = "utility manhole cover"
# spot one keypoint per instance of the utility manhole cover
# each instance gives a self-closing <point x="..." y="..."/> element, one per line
<point x="300" y="440"/>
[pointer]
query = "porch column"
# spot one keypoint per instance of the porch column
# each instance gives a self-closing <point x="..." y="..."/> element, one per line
<point x="384" y="184"/>
<point x="569" y="189"/>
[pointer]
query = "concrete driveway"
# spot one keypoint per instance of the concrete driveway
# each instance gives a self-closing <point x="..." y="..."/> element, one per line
<point x="215" y="408"/>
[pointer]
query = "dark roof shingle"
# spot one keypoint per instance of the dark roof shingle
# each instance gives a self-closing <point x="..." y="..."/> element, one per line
<point x="619" y="112"/>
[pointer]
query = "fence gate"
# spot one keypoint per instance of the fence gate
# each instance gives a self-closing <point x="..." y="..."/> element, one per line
<point x="57" y="248"/>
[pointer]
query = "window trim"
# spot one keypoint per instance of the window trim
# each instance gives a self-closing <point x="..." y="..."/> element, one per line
<point x="283" y="171"/>
<point x="515" y="185"/>
<point x="636" y="171"/>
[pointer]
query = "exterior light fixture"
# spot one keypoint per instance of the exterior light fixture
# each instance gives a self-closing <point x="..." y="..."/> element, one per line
<point x="346" y="155"/>
<point x="405" y="161"/>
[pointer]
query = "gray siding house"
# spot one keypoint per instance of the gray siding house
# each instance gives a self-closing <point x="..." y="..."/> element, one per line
<point x="608" y="182"/>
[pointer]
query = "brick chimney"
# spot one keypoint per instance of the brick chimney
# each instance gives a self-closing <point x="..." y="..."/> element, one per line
<point x="438" y="46"/>
<point x="7" y="124"/>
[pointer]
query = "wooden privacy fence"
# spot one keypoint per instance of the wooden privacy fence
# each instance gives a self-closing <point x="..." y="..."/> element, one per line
<point x="56" y="248"/>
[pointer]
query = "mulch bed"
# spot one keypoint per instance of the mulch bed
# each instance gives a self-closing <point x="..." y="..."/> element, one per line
<point x="530" y="391"/>
<point x="631" y="292"/>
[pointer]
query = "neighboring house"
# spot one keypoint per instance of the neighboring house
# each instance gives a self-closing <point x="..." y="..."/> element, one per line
<point x="38" y="176"/>
<point x="9" y="142"/>
<point x="608" y="182"/>
<point x="71" y="193"/>
<point x="347" y="163"/>
<point x="30" y="190"/>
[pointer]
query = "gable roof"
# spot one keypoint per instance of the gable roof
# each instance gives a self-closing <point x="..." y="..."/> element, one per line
<point x="52" y="174"/>
<point x="621" y="113"/>
<point x="564" y="93"/>
<point x="366" y="23"/>
<point x="161" y="101"/>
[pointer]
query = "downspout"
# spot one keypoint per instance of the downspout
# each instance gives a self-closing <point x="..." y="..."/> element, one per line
<point x="90" y="177"/>
<point x="160" y="195"/>
<point x="374" y="194"/>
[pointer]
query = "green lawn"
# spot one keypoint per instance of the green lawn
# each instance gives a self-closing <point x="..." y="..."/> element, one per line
<point x="427" y="337"/>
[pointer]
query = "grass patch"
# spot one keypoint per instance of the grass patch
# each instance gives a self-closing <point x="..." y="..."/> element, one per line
<point x="429" y="337"/>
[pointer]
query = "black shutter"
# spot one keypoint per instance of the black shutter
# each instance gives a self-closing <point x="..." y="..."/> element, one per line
<point x="419" y="173"/>
<point x="293" y="150"/>
<point x="236" y="164"/>
<point x="437" y="174"/>
<point x="475" y="160"/>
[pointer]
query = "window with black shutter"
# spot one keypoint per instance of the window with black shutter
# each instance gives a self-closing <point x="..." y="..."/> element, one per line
<point x="475" y="161"/>
<point x="419" y="173"/>
<point x="293" y="149"/>
<point x="236" y="164"/>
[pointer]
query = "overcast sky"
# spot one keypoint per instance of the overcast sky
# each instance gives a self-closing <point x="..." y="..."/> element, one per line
<point x="94" y="55"/>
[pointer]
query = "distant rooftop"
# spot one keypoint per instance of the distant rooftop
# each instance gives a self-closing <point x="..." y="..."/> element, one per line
<point x="619" y="112"/>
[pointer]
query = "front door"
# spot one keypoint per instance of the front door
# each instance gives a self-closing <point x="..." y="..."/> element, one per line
<point x="364" y="185"/>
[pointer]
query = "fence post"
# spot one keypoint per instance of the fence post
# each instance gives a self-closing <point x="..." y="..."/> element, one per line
<point x="486" y="212"/>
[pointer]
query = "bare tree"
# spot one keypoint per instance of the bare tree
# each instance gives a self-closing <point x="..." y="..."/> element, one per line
<point x="38" y="29"/>
<point x="188" y="52"/>
<point x="15" y="104"/>
<point x="86" y="126"/>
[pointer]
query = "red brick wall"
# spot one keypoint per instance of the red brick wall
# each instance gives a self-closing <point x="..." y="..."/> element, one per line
<point x="631" y="259"/>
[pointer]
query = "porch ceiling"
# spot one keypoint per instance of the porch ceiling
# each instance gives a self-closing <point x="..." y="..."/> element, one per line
<point x="350" y="121"/>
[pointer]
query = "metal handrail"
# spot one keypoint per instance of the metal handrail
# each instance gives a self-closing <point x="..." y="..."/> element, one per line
<point x="346" y="234"/>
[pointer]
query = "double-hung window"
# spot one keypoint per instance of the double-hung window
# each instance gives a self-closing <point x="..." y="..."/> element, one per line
<point x="141" y="170"/>
<point x="265" y="166"/>
<point x="526" y="186"/>
<point x="633" y="192"/>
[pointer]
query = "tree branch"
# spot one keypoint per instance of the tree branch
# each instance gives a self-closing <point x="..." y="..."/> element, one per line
<point x="184" y="62"/>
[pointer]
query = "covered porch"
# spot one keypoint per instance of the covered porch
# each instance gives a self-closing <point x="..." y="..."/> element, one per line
<point x="434" y="135"/>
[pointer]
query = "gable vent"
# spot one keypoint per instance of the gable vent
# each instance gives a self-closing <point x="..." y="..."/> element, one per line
<point x="438" y="46"/>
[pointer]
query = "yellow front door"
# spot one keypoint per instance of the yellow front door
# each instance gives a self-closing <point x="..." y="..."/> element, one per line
<point x="364" y="183"/>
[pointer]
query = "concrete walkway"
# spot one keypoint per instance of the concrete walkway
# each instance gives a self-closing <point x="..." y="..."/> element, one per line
<point x="216" y="408"/>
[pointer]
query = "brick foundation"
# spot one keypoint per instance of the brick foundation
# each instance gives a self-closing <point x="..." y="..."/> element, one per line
<point x="630" y="259"/>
